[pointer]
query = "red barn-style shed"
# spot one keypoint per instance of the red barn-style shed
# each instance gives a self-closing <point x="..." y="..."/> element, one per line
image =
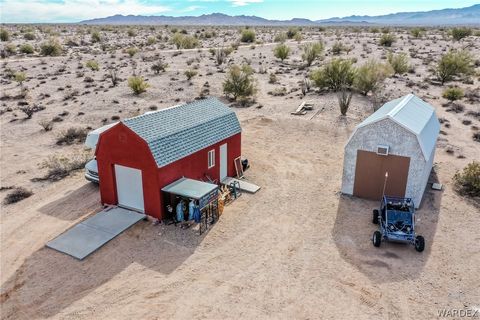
<point x="139" y="156"/>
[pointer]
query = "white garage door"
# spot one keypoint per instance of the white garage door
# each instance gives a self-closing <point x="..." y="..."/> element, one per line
<point x="129" y="187"/>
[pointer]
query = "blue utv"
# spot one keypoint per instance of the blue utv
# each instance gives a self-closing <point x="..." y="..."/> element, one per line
<point x="396" y="219"/>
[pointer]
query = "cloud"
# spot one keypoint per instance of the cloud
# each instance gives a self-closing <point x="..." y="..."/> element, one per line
<point x="241" y="3"/>
<point x="73" y="10"/>
<point x="191" y="8"/>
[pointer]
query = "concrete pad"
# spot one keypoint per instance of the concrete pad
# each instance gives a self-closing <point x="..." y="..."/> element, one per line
<point x="89" y="235"/>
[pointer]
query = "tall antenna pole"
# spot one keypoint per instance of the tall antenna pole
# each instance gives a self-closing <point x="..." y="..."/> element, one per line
<point x="385" y="183"/>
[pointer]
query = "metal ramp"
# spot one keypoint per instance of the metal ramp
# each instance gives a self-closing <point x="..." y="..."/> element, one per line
<point x="89" y="235"/>
<point x="244" y="185"/>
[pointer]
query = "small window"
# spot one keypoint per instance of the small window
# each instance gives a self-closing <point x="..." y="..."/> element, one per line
<point x="211" y="158"/>
<point x="383" y="150"/>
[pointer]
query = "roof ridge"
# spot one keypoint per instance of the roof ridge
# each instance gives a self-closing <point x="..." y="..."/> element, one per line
<point x="400" y="105"/>
<point x="187" y="128"/>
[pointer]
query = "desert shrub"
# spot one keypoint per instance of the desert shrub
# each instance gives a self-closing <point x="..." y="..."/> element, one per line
<point x="18" y="194"/>
<point x="335" y="75"/>
<point x="337" y="48"/>
<point x="92" y="65"/>
<point x="59" y="167"/>
<point x="132" y="51"/>
<point x="29" y="110"/>
<point x="190" y="74"/>
<point x="151" y="41"/>
<point x="71" y="136"/>
<point x="247" y="35"/>
<point x="281" y="51"/>
<point x="95" y="36"/>
<point x="46" y="125"/>
<point x="239" y="82"/>
<point x="29" y="36"/>
<point x="387" y="40"/>
<point x="467" y="182"/>
<point x="137" y="84"/>
<point x="311" y="52"/>
<point x="182" y="41"/>
<point x="51" y="48"/>
<point x="460" y="33"/>
<point x="4" y="35"/>
<point x="298" y="37"/>
<point x="159" y="66"/>
<point x="131" y="33"/>
<point x="26" y="48"/>
<point x="374" y="30"/>
<point x="280" y="37"/>
<point x="10" y="48"/>
<point x="272" y="78"/>
<point x="417" y="32"/>
<point x="20" y="77"/>
<point x="453" y="93"/>
<point x="398" y="62"/>
<point x="292" y="31"/>
<point x="452" y="64"/>
<point x="370" y="75"/>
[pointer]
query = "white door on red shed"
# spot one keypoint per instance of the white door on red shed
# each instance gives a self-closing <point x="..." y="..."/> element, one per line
<point x="129" y="188"/>
<point x="223" y="161"/>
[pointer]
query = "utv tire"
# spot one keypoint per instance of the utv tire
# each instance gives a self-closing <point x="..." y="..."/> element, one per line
<point x="375" y="216"/>
<point x="419" y="243"/>
<point x="377" y="238"/>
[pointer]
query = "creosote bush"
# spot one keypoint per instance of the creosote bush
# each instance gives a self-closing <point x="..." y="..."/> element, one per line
<point x="370" y="76"/>
<point x="137" y="84"/>
<point x="454" y="63"/>
<point x="132" y="51"/>
<point x="467" y="182"/>
<point x="281" y="51"/>
<point x="311" y="52"/>
<point x="95" y="36"/>
<point x="4" y="35"/>
<point x="399" y="62"/>
<point x="26" y="48"/>
<point x="247" y="35"/>
<point x="29" y="36"/>
<point x="453" y="93"/>
<point x="239" y="82"/>
<point x="335" y="75"/>
<point x="417" y="32"/>
<point x="51" y="48"/>
<point x="460" y="33"/>
<point x="387" y="40"/>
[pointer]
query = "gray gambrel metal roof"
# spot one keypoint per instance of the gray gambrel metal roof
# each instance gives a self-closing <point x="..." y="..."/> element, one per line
<point x="413" y="114"/>
<point x="182" y="130"/>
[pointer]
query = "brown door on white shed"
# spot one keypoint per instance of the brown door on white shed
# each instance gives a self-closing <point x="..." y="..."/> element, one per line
<point x="370" y="175"/>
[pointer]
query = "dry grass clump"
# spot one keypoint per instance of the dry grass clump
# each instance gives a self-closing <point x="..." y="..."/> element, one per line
<point x="71" y="136"/>
<point x="182" y="41"/>
<point x="311" y="52"/>
<point x="59" y="167"/>
<point x="453" y="93"/>
<point x="18" y="194"/>
<point x="387" y="40"/>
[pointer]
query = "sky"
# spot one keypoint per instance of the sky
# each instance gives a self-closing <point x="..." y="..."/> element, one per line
<point x="61" y="11"/>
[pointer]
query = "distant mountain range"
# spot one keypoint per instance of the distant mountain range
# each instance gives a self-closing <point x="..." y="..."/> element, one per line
<point x="461" y="16"/>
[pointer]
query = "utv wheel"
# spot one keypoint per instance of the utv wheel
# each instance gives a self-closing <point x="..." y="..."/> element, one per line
<point x="375" y="216"/>
<point x="377" y="238"/>
<point x="419" y="243"/>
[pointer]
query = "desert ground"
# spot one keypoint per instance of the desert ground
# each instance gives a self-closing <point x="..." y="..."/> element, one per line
<point x="296" y="249"/>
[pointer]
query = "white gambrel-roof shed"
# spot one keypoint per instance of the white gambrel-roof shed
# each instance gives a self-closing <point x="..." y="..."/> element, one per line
<point x="399" y="138"/>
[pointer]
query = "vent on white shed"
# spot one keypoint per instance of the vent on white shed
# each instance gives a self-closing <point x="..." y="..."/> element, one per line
<point x="382" y="150"/>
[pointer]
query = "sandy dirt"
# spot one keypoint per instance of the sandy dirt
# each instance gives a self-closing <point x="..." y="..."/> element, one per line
<point x="296" y="249"/>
